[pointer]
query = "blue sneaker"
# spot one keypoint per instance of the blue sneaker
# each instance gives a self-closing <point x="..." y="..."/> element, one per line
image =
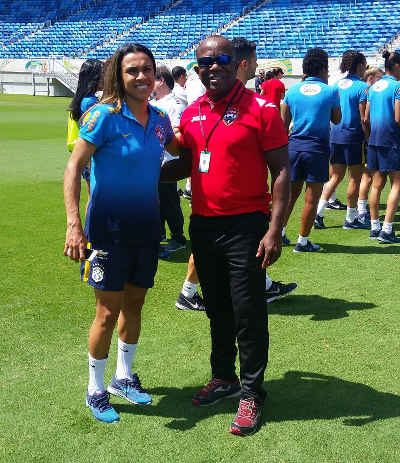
<point x="373" y="235"/>
<point x="388" y="238"/>
<point x="99" y="405"/>
<point x="319" y="222"/>
<point x="309" y="247"/>
<point x="285" y="240"/>
<point x="130" y="389"/>
<point x="365" y="219"/>
<point x="356" y="224"/>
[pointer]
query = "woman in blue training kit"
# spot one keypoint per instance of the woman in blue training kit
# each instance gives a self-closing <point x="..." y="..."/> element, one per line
<point x="125" y="139"/>
<point x="90" y="81"/>
<point x="383" y="158"/>
<point x="347" y="139"/>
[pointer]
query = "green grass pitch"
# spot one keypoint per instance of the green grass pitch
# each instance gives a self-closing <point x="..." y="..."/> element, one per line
<point x="333" y="376"/>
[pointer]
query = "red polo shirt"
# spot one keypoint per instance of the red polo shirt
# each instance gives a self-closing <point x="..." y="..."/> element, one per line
<point x="237" y="178"/>
<point x="273" y="90"/>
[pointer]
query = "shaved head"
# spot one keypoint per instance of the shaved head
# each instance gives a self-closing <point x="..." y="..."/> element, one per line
<point x="219" y="79"/>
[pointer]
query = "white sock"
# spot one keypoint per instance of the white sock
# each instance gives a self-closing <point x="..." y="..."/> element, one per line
<point x="125" y="356"/>
<point x="332" y="199"/>
<point x="375" y="225"/>
<point x="387" y="227"/>
<point x="188" y="186"/>
<point x="189" y="289"/>
<point x="351" y="214"/>
<point x="302" y="240"/>
<point x="283" y="231"/>
<point x="268" y="282"/>
<point x="362" y="206"/>
<point x="96" y="375"/>
<point x="321" y="207"/>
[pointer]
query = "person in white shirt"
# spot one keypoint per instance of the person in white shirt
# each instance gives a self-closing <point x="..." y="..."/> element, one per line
<point x="194" y="86"/>
<point x="170" y="204"/>
<point x="180" y="77"/>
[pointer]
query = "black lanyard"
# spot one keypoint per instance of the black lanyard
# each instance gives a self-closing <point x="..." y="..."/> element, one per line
<point x="207" y="139"/>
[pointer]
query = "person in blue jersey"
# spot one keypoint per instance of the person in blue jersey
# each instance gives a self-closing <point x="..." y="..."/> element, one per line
<point x="347" y="139"/>
<point x="125" y="139"/>
<point x="312" y="104"/>
<point x="90" y="81"/>
<point x="383" y="157"/>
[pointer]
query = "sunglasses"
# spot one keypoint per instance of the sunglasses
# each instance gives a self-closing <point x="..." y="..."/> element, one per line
<point x="208" y="61"/>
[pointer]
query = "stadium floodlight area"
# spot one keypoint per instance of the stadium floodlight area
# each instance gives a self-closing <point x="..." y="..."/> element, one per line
<point x="281" y="28"/>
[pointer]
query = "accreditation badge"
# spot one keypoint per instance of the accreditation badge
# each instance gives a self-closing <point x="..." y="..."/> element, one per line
<point x="204" y="163"/>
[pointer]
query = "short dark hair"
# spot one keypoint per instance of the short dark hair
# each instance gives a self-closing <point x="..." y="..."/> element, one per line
<point x="113" y="86"/>
<point x="277" y="71"/>
<point x="350" y="60"/>
<point x="391" y="59"/>
<point x="243" y="48"/>
<point x="162" y="72"/>
<point x="177" y="72"/>
<point x="314" y="62"/>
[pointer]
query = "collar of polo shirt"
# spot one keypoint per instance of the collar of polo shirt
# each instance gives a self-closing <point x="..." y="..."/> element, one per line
<point x="224" y="99"/>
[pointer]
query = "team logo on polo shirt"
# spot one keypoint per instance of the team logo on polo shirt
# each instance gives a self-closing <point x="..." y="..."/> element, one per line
<point x="97" y="274"/>
<point x="231" y="115"/>
<point x="310" y="89"/>
<point x="380" y="86"/>
<point x="160" y="135"/>
<point x="345" y="83"/>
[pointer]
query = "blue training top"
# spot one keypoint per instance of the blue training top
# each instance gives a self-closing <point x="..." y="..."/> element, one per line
<point x="352" y="92"/>
<point x="87" y="102"/>
<point x="381" y="97"/>
<point x="311" y="103"/>
<point x="125" y="171"/>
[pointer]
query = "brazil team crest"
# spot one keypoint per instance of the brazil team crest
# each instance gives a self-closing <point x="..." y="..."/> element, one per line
<point x="231" y="115"/>
<point x="97" y="274"/>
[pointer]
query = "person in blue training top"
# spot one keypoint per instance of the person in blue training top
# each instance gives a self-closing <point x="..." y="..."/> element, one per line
<point x="125" y="137"/>
<point x="312" y="104"/>
<point x="383" y="157"/>
<point x="90" y="81"/>
<point x="347" y="139"/>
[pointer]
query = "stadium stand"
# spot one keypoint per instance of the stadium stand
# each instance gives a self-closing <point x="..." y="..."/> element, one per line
<point x="281" y="28"/>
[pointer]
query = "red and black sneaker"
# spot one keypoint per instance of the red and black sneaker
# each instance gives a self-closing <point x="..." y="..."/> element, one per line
<point x="248" y="417"/>
<point x="216" y="390"/>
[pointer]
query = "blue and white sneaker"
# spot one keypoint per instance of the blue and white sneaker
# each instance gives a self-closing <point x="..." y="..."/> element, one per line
<point x="309" y="247"/>
<point x="285" y="240"/>
<point x="130" y="389"/>
<point x="365" y="218"/>
<point x="319" y="222"/>
<point x="99" y="405"/>
<point x="356" y="224"/>
<point x="373" y="234"/>
<point x="388" y="238"/>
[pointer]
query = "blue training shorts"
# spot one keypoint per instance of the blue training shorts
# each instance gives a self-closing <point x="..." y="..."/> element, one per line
<point x="383" y="159"/>
<point x="312" y="167"/>
<point x="114" y="266"/>
<point x="349" y="155"/>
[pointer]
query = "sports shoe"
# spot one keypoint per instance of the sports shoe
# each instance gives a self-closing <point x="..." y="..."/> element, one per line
<point x="337" y="205"/>
<point x="373" y="234"/>
<point x="285" y="240"/>
<point x="164" y="253"/>
<point x="99" y="405"/>
<point x="319" y="222"/>
<point x="365" y="219"/>
<point x="388" y="238"/>
<point x="130" y="389"/>
<point x="356" y="224"/>
<point x="309" y="247"/>
<point x="248" y="417"/>
<point x="278" y="290"/>
<point x="190" y="303"/>
<point x="216" y="390"/>
<point x="187" y="194"/>
<point x="174" y="245"/>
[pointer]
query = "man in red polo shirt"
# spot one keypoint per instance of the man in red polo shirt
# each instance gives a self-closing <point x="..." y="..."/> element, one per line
<point x="232" y="135"/>
<point x="273" y="89"/>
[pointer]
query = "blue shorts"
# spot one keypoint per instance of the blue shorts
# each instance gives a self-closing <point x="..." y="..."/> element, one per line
<point x="86" y="173"/>
<point x="312" y="167"/>
<point x="115" y="266"/>
<point x="383" y="159"/>
<point x="349" y="155"/>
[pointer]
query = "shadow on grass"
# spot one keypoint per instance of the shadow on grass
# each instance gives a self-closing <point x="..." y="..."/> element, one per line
<point x="343" y="249"/>
<point x="322" y="308"/>
<point x="180" y="256"/>
<point x="298" y="396"/>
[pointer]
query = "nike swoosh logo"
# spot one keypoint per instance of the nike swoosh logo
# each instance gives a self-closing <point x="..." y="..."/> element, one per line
<point x="124" y="350"/>
<point x="221" y="389"/>
<point x="126" y="135"/>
